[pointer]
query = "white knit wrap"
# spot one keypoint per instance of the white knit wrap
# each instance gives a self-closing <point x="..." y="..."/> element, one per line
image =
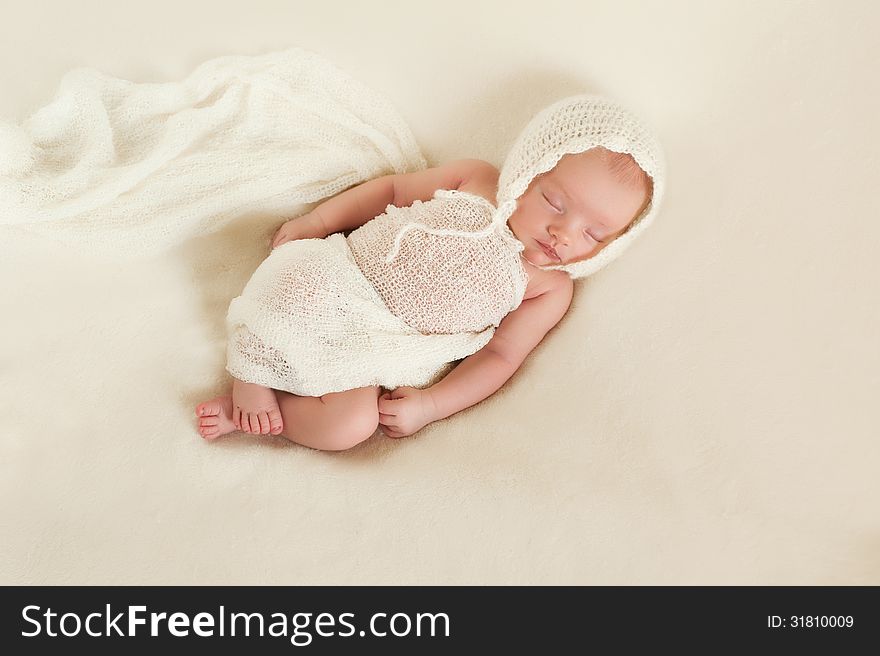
<point x="122" y="169"/>
<point x="125" y="169"/>
<point x="570" y="126"/>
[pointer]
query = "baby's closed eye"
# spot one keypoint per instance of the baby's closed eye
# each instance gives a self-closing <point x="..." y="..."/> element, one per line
<point x="557" y="207"/>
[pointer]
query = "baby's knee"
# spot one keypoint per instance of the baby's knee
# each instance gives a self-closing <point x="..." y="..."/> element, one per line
<point x="351" y="429"/>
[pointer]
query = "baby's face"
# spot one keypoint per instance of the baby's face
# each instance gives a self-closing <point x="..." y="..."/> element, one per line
<point x="576" y="208"/>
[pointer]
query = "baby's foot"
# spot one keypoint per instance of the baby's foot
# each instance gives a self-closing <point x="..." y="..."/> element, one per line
<point x="215" y="417"/>
<point x="255" y="409"/>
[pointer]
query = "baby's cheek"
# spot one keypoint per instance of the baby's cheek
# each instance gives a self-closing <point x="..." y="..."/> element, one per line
<point x="598" y="249"/>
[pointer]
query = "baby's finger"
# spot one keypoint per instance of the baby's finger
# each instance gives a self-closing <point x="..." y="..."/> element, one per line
<point x="384" y="417"/>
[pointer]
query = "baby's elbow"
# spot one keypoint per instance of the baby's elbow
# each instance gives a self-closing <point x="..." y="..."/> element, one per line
<point x="506" y="360"/>
<point x="475" y="170"/>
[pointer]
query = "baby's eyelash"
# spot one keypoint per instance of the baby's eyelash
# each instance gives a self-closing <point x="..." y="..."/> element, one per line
<point x="551" y="204"/>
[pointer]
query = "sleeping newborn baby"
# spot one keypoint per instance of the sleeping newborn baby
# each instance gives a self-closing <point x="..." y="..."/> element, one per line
<point x="410" y="297"/>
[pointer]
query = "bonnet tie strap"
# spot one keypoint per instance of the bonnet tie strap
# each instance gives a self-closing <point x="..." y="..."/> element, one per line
<point x="499" y="221"/>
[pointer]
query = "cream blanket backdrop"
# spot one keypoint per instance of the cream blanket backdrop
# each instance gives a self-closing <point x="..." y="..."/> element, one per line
<point x="704" y="414"/>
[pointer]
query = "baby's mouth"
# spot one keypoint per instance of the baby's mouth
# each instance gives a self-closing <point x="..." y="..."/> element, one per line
<point x="550" y="251"/>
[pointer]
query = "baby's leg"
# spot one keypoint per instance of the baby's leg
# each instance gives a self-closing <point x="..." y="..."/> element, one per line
<point x="333" y="422"/>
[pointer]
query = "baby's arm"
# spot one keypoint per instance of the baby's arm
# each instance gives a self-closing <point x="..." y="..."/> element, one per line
<point x="483" y="373"/>
<point x="354" y="207"/>
<point x="343" y="212"/>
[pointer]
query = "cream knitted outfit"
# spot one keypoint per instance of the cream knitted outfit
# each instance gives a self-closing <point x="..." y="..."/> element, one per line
<point x="394" y="303"/>
<point x="447" y="288"/>
<point x="122" y="169"/>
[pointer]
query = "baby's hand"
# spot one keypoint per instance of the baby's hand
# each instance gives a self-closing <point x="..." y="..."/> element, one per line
<point x="405" y="411"/>
<point x="307" y="226"/>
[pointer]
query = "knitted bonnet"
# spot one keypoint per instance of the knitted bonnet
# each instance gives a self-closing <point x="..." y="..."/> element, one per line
<point x="574" y="125"/>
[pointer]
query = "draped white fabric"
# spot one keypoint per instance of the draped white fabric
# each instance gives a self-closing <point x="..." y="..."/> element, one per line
<point x="118" y="168"/>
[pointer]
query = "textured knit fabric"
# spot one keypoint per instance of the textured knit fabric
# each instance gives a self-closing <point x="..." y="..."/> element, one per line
<point x="437" y="266"/>
<point x="574" y="125"/>
<point x="446" y="268"/>
<point x="310" y="323"/>
<point x="125" y="170"/>
<point x="129" y="169"/>
<point x="394" y="303"/>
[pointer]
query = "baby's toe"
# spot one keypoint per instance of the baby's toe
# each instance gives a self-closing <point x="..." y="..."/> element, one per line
<point x="261" y="427"/>
<point x="276" y="423"/>
<point x="253" y="423"/>
<point x="264" y="423"/>
<point x="209" y="421"/>
<point x="209" y="408"/>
